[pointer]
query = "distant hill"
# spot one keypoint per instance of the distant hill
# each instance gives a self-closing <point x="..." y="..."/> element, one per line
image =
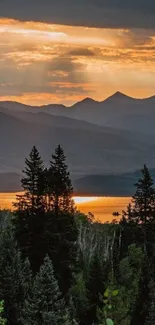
<point x="108" y="185"/>
<point x="90" y="149"/>
<point x="119" y="111"/>
<point x="112" y="137"/>
<point x="91" y="185"/>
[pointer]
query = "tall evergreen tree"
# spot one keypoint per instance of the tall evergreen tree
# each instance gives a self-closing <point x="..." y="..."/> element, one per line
<point x="44" y="306"/>
<point x="144" y="199"/>
<point x="60" y="189"/>
<point x="61" y="238"/>
<point x="32" y="184"/>
<point x="138" y="223"/>
<point x="150" y="319"/>
<point x="61" y="229"/>
<point x="78" y="299"/>
<point x="15" y="277"/>
<point x="140" y="310"/>
<point x="29" y="217"/>
<point x="95" y="286"/>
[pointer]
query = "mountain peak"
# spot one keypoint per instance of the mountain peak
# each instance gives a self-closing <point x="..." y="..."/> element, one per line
<point x="87" y="100"/>
<point x="119" y="96"/>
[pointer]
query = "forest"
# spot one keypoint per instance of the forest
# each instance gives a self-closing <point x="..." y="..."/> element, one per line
<point x="60" y="266"/>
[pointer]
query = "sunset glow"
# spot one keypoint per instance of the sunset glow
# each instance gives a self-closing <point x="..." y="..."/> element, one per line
<point x="45" y="63"/>
<point x="101" y="207"/>
<point x="81" y="199"/>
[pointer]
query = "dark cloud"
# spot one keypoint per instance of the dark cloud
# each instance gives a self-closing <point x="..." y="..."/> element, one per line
<point x="66" y="69"/>
<point x="81" y="52"/>
<point x="97" y="13"/>
<point x="60" y="76"/>
<point x="21" y="89"/>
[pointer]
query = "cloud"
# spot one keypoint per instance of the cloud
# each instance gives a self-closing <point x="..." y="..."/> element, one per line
<point x="38" y="66"/>
<point x="60" y="76"/>
<point x="94" y="13"/>
<point x="81" y="52"/>
<point x="66" y="69"/>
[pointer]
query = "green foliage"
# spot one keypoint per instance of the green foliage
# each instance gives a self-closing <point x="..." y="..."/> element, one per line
<point x="2" y="320"/>
<point x="103" y="314"/>
<point x="109" y="321"/>
<point x="118" y="304"/>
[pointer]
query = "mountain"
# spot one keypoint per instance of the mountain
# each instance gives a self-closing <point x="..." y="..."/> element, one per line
<point x="112" y="137"/>
<point x="89" y="147"/>
<point x="108" y="185"/>
<point x="118" y="111"/>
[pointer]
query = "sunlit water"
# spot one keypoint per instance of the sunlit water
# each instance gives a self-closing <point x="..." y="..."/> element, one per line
<point x="101" y="207"/>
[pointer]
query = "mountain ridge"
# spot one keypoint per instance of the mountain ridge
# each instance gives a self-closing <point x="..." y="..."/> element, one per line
<point x="113" y="136"/>
<point x="117" y="94"/>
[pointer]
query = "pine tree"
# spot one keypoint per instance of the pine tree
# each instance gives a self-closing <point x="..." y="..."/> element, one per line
<point x="138" y="223"/>
<point x="150" y="304"/>
<point x="61" y="229"/>
<point x="44" y="306"/>
<point x="78" y="299"/>
<point x="140" y="310"/>
<point x="32" y="184"/>
<point x="15" y="277"/>
<point x="29" y="217"/>
<point x="150" y="320"/>
<point x="61" y="242"/>
<point x="144" y="198"/>
<point x="95" y="286"/>
<point x="59" y="184"/>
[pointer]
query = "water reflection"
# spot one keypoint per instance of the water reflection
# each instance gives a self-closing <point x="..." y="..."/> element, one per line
<point x="101" y="207"/>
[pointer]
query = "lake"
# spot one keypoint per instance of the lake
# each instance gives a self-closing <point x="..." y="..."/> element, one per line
<point x="101" y="207"/>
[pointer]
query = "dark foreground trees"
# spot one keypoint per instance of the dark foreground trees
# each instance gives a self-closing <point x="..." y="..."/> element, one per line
<point x="138" y="226"/>
<point x="80" y="271"/>
<point x="59" y="187"/>
<point x="15" y="277"/>
<point x="44" y="219"/>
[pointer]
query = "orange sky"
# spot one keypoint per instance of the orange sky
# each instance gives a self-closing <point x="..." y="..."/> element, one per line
<point x="44" y="63"/>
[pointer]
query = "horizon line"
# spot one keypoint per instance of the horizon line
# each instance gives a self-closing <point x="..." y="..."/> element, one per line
<point x="117" y="93"/>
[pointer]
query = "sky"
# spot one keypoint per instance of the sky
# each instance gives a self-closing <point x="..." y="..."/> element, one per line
<point x="63" y="51"/>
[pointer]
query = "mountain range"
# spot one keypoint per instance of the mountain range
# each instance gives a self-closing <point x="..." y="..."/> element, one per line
<point x="102" y="140"/>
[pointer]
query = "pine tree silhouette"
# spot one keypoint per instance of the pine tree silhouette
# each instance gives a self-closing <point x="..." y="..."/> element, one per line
<point x="144" y="198"/>
<point x="60" y="189"/>
<point x="33" y="184"/>
<point x="29" y="217"/>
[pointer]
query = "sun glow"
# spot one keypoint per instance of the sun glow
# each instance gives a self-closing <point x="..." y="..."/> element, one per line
<point x="80" y="199"/>
<point x="43" y="63"/>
